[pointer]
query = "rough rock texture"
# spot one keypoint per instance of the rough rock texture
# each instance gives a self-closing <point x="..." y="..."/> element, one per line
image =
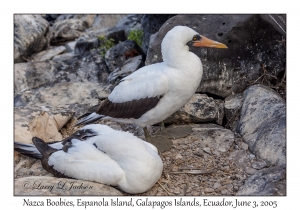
<point x="253" y="42"/>
<point x="83" y="45"/>
<point x="103" y="21"/>
<point x="129" y="66"/>
<point x="29" y="36"/>
<point x="263" y="124"/>
<point x="120" y="31"/>
<point x="33" y="75"/>
<point x="64" y="57"/>
<point x="263" y="182"/>
<point x="89" y="19"/>
<point x="232" y="108"/>
<point x="40" y="122"/>
<point x="116" y="56"/>
<point x="70" y="46"/>
<point x="67" y="95"/>
<point x="151" y="23"/>
<point x="75" y="81"/>
<point x="66" y="30"/>
<point x="199" y="109"/>
<point x="129" y="22"/>
<point x="49" y="54"/>
<point x="45" y="186"/>
<point x="213" y="136"/>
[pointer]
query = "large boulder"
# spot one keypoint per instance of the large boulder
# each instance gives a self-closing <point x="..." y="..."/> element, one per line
<point x="263" y="183"/>
<point x="78" y="80"/>
<point x="254" y="45"/>
<point x="262" y="124"/>
<point x="29" y="36"/>
<point x="33" y="74"/>
<point x="67" y="30"/>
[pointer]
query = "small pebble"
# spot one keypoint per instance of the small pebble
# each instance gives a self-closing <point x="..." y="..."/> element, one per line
<point x="207" y="150"/>
<point x="178" y="156"/>
<point x="259" y="164"/>
<point x="250" y="170"/>
<point x="209" y="190"/>
<point x="216" y="185"/>
<point x="243" y="146"/>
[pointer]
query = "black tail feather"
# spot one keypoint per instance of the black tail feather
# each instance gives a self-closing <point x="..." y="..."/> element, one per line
<point x="27" y="149"/>
<point x="88" y="118"/>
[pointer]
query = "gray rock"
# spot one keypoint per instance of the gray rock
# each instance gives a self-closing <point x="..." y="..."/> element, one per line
<point x="116" y="56"/>
<point x="64" y="57"/>
<point x="207" y="150"/>
<point x="64" y="94"/>
<point x="67" y="30"/>
<point x="79" y="80"/>
<point x="129" y="22"/>
<point x="240" y="158"/>
<point x="213" y="136"/>
<point x="250" y="170"/>
<point x="117" y="34"/>
<point x="84" y="45"/>
<point x="262" y="183"/>
<point x="243" y="145"/>
<point x="263" y="124"/>
<point x="49" y="54"/>
<point x="103" y="21"/>
<point x="130" y="65"/>
<point x="29" y="36"/>
<point x="259" y="164"/>
<point x="45" y="186"/>
<point x="33" y="75"/>
<point x="89" y="19"/>
<point x="70" y="46"/>
<point x="252" y="42"/>
<point x="199" y="109"/>
<point x="232" y="108"/>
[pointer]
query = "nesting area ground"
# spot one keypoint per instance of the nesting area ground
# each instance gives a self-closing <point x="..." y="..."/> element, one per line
<point x="188" y="171"/>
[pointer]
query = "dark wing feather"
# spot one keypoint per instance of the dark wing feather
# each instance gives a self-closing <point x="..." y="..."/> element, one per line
<point x="130" y="109"/>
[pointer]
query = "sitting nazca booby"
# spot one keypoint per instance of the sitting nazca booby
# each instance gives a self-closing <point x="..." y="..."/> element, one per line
<point x="152" y="93"/>
<point x="101" y="154"/>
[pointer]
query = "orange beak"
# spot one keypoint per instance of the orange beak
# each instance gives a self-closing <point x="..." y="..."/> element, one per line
<point x="206" y="42"/>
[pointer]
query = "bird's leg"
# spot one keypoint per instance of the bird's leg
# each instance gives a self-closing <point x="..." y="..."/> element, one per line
<point x="173" y="132"/>
<point x="146" y="133"/>
<point x="162" y="126"/>
<point x="161" y="143"/>
<point x="163" y="130"/>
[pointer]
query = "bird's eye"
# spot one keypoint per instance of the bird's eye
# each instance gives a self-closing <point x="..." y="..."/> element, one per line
<point x="196" y="37"/>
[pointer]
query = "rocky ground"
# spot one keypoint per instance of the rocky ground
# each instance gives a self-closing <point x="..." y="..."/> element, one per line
<point x="210" y="161"/>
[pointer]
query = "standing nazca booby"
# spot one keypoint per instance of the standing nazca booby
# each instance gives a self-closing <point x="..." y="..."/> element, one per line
<point x="154" y="92"/>
<point x="101" y="154"/>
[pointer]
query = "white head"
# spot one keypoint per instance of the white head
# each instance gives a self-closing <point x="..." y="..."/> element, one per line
<point x="174" y="44"/>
